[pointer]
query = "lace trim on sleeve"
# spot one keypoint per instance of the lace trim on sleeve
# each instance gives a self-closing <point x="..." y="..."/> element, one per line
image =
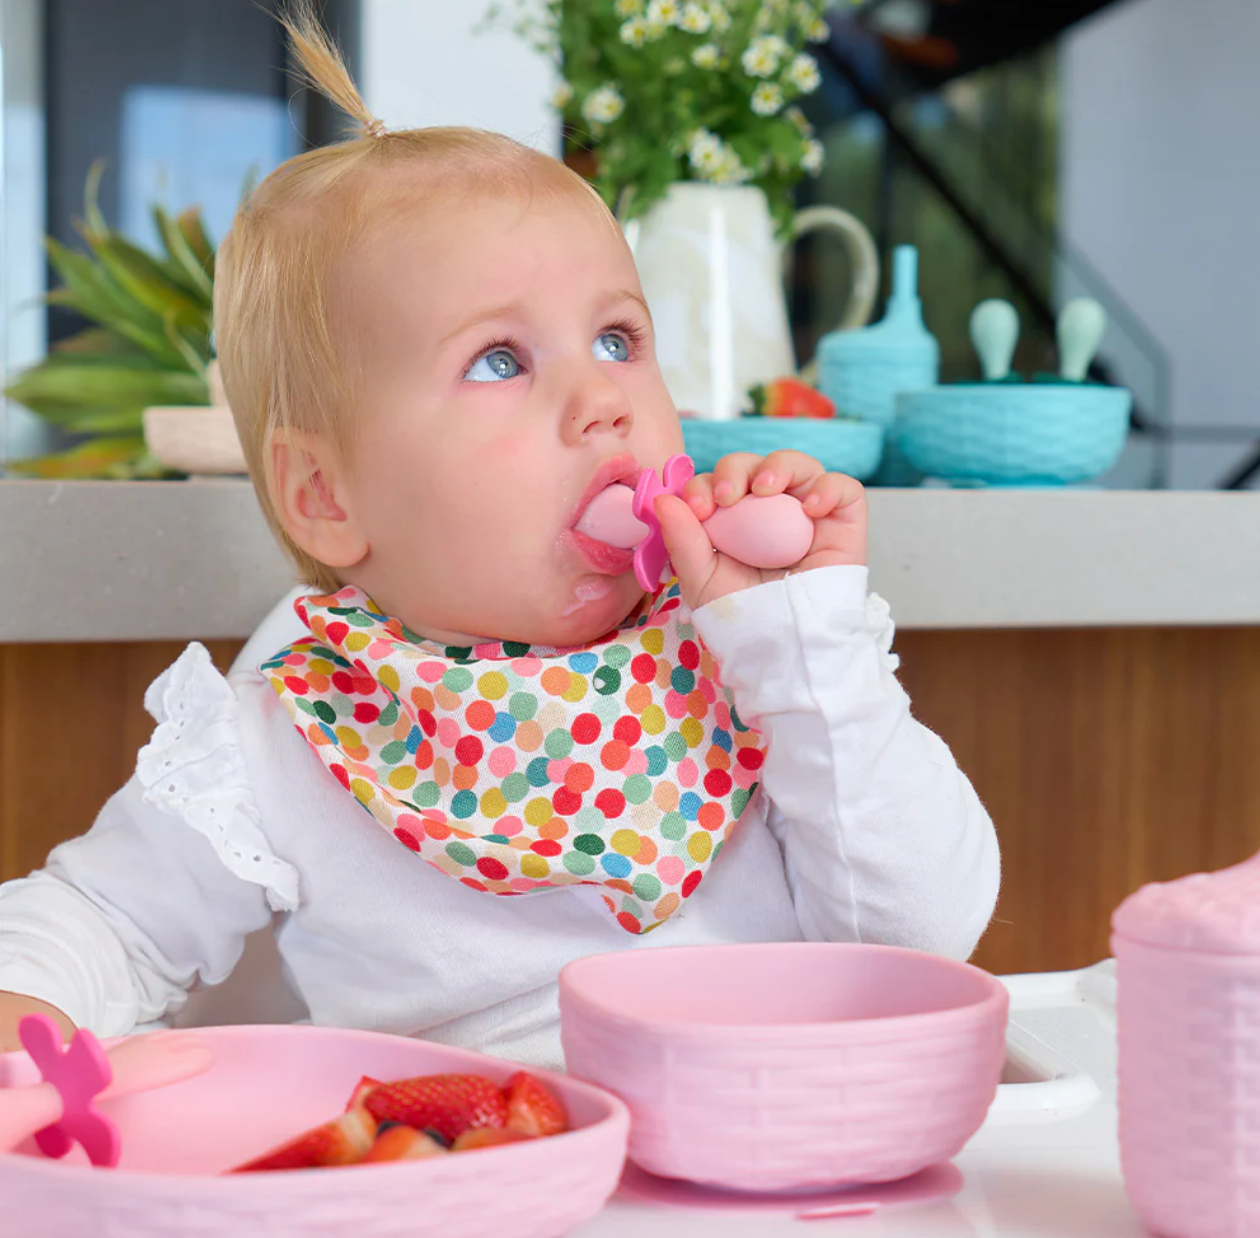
<point x="193" y="767"/>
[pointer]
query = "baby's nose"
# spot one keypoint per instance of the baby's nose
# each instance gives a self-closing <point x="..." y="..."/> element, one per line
<point x="599" y="407"/>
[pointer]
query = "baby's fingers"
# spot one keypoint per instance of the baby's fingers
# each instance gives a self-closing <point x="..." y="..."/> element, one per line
<point x="831" y="493"/>
<point x="732" y="477"/>
<point x="791" y="471"/>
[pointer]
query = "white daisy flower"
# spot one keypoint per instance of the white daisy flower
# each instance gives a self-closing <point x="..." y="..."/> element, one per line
<point x="812" y="159"/>
<point x="761" y="57"/>
<point x="729" y="170"/>
<point x="634" y="32"/>
<point x="705" y="56"/>
<point x="603" y="106"/>
<point x="720" y="16"/>
<point x="664" y="13"/>
<point x="561" y="96"/>
<point x="629" y="8"/>
<point x="694" y="19"/>
<point x="799" y="122"/>
<point x="767" y="99"/>
<point x="803" y="73"/>
<point x="819" y="32"/>
<point x="701" y="143"/>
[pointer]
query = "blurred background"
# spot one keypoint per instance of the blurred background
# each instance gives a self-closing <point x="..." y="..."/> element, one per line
<point x="1092" y="656"/>
<point x="1034" y="150"/>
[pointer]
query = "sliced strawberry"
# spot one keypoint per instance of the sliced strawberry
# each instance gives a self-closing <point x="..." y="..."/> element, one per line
<point x="790" y="397"/>
<point x="533" y="1110"/>
<point x="342" y="1142"/>
<point x="401" y="1143"/>
<point x="450" y="1104"/>
<point x="487" y="1137"/>
<point x="361" y="1089"/>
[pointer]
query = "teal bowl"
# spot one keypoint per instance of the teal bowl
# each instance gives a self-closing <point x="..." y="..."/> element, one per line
<point x="1013" y="434"/>
<point x="841" y="446"/>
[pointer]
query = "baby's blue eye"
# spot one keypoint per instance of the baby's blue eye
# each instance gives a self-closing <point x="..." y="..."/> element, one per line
<point x="611" y="347"/>
<point x="493" y="367"/>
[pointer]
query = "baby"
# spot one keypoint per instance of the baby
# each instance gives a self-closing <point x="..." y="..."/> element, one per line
<point x="486" y="752"/>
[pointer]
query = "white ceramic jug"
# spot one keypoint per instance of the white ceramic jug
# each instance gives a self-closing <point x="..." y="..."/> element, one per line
<point x="712" y="273"/>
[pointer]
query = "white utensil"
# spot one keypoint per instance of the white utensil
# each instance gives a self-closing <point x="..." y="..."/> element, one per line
<point x="1080" y="330"/>
<point x="994" y="331"/>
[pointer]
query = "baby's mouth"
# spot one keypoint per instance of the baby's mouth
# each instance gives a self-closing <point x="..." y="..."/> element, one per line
<point x="603" y="527"/>
<point x="604" y="559"/>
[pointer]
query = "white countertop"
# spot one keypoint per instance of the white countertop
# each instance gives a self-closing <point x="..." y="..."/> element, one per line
<point x="178" y="560"/>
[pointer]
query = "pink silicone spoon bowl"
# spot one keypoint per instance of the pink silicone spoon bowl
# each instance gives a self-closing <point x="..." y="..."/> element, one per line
<point x="790" y="1065"/>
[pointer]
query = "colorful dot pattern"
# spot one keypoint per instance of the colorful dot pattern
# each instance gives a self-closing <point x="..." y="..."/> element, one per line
<point x="513" y="768"/>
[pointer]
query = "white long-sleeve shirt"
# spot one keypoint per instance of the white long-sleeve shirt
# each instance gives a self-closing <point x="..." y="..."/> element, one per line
<point x="864" y="830"/>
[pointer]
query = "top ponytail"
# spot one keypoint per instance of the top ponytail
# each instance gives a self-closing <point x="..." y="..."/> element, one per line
<point x="320" y="65"/>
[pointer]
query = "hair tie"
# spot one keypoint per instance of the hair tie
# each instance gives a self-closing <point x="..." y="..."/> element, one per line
<point x="376" y="129"/>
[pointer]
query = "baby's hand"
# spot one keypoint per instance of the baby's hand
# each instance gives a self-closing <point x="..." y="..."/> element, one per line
<point x="835" y="503"/>
<point x="14" y="1008"/>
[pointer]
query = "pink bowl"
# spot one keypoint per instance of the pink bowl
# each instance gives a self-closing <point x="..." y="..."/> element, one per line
<point x="268" y="1084"/>
<point x="773" y="1067"/>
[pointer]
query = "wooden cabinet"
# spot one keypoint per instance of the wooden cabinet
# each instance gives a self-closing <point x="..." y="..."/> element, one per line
<point x="1107" y="757"/>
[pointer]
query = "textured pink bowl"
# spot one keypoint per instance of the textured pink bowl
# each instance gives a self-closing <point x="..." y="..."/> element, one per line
<point x="772" y="1067"/>
<point x="267" y="1084"/>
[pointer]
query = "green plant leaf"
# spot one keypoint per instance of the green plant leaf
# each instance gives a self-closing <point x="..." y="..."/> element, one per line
<point x="90" y="291"/>
<point x="62" y="392"/>
<point x="151" y="282"/>
<point x="193" y="227"/>
<point x="92" y="198"/>
<point x="111" y="457"/>
<point x="181" y="254"/>
<point x="97" y="346"/>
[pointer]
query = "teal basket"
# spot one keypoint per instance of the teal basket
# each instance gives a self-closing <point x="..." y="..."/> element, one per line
<point x="852" y="447"/>
<point x="1014" y="434"/>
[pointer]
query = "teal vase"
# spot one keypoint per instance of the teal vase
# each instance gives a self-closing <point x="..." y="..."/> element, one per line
<point x="863" y="370"/>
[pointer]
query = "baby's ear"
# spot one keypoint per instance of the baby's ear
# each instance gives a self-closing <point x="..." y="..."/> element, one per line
<point x="308" y="487"/>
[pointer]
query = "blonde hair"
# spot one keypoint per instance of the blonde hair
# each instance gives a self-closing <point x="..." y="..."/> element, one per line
<point x="273" y="294"/>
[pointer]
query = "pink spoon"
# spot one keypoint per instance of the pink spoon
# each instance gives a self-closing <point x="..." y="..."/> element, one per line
<point x="60" y="1111"/>
<point x="764" y="531"/>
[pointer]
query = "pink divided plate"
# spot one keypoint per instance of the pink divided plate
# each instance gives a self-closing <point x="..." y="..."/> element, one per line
<point x="269" y="1084"/>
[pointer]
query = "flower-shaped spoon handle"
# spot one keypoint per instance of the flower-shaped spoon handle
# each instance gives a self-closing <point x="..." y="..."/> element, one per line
<point x="650" y="557"/>
<point x="79" y="1073"/>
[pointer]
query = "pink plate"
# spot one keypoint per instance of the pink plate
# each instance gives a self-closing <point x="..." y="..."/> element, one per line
<point x="267" y="1085"/>
<point x="789" y="1065"/>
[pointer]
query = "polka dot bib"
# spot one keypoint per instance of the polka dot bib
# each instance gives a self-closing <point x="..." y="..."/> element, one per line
<point x="513" y="768"/>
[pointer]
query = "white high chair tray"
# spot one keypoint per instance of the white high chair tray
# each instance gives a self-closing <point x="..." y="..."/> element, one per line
<point x="1044" y="1165"/>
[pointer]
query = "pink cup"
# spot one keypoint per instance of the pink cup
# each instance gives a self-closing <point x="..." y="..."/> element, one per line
<point x="1188" y="1011"/>
<point x="792" y="1065"/>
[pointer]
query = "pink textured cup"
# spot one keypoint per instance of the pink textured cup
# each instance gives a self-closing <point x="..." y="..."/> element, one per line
<point x="791" y="1065"/>
<point x="269" y="1084"/>
<point x="1188" y="1016"/>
